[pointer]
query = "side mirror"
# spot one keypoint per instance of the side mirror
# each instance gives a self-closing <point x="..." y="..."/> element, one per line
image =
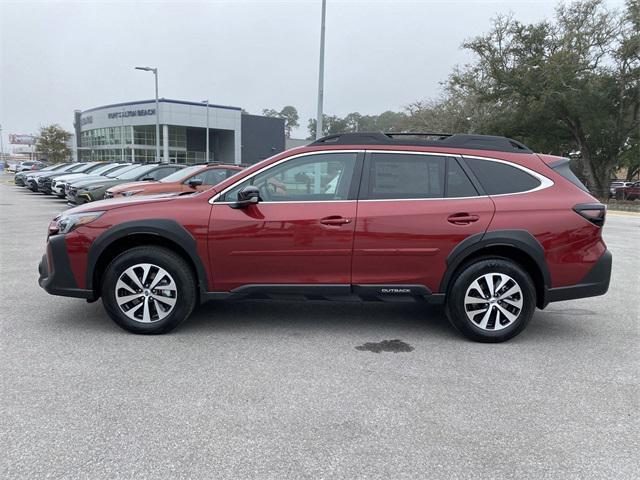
<point x="146" y="179"/>
<point x="196" y="182"/>
<point x="249" y="195"/>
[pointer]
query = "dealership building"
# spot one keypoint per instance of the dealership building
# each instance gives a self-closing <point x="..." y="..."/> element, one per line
<point x="127" y="132"/>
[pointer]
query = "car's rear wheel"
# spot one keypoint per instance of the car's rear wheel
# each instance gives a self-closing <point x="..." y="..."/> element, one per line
<point x="491" y="300"/>
<point x="148" y="290"/>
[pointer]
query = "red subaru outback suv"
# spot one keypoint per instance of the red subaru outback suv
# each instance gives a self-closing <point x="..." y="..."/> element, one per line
<point x="480" y="224"/>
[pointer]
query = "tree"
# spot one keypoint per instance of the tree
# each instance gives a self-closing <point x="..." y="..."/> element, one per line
<point x="572" y="84"/>
<point x="388" y="121"/>
<point x="52" y="143"/>
<point x="289" y="114"/>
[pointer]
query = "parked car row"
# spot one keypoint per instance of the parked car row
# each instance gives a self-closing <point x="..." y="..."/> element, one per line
<point x="29" y="165"/>
<point x="89" y="181"/>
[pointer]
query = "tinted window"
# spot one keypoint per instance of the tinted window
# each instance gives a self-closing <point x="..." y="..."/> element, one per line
<point x="325" y="176"/>
<point x="397" y="175"/>
<point x="499" y="178"/>
<point x="159" y="173"/>
<point x="458" y="184"/>
<point x="181" y="174"/>
<point x="213" y="176"/>
<point x="135" y="172"/>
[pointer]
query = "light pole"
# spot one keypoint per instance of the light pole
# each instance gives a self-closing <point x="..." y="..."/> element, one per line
<point x="206" y="102"/>
<point x="1" y="145"/>
<point x="321" y="73"/>
<point x="155" y="73"/>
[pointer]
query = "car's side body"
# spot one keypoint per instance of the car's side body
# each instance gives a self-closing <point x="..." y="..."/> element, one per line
<point x="394" y="248"/>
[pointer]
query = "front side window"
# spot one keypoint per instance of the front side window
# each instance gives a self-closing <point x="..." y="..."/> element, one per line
<point x="405" y="176"/>
<point x="318" y="177"/>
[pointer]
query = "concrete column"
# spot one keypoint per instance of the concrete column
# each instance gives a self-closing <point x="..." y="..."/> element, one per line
<point x="165" y="143"/>
<point x="237" y="157"/>
<point x="133" y="141"/>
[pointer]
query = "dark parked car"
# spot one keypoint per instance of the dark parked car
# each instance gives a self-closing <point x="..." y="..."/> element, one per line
<point x="479" y="224"/>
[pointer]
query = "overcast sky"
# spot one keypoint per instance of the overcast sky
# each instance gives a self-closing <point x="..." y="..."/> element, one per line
<point x="380" y="55"/>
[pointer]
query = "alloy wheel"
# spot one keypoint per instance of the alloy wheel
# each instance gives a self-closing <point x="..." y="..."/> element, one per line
<point x="493" y="301"/>
<point x="146" y="293"/>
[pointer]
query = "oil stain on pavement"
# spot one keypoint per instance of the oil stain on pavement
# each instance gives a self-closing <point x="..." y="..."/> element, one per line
<point x="395" y="346"/>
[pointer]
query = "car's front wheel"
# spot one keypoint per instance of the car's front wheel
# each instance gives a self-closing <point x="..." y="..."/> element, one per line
<point x="148" y="290"/>
<point x="491" y="300"/>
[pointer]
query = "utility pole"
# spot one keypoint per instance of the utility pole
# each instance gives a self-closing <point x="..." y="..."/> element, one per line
<point x="321" y="73"/>
<point x="206" y="102"/>
<point x="1" y="145"/>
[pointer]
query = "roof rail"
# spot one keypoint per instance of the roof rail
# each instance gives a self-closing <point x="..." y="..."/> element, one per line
<point x="456" y="140"/>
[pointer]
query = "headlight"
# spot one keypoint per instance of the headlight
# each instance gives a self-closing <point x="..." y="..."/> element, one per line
<point x="93" y="187"/>
<point x="68" y="222"/>
<point x="130" y="192"/>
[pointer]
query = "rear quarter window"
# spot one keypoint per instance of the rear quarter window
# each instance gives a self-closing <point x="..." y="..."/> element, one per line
<point x="499" y="178"/>
<point x="563" y="168"/>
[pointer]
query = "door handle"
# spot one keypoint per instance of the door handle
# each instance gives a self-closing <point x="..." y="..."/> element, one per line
<point x="334" y="221"/>
<point x="462" y="218"/>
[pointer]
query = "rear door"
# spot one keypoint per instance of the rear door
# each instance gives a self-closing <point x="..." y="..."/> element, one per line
<point x="413" y="209"/>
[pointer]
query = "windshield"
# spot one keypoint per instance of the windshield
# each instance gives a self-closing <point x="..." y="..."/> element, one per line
<point x="74" y="167"/>
<point x="51" y="167"/>
<point x="180" y="174"/>
<point x="131" y="174"/>
<point x="91" y="167"/>
<point x="120" y="170"/>
<point x="104" y="168"/>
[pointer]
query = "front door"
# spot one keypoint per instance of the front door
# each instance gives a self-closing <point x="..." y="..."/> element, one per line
<point x="413" y="210"/>
<point x="301" y="232"/>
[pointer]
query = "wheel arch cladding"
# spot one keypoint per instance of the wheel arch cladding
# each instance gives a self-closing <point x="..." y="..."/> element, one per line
<point x="517" y="245"/>
<point x="160" y="232"/>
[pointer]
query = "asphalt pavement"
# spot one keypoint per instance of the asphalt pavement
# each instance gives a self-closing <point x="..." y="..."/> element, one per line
<point x="275" y="390"/>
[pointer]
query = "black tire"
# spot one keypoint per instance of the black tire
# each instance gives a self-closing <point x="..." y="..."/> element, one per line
<point x="493" y="332"/>
<point x="174" y="265"/>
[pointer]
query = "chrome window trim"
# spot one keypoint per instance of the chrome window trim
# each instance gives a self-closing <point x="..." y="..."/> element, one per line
<point x="544" y="181"/>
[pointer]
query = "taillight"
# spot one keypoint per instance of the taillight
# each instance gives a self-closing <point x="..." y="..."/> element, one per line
<point x="594" y="212"/>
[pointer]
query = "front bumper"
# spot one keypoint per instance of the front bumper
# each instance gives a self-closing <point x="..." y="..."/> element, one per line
<point x="56" y="277"/>
<point x="595" y="283"/>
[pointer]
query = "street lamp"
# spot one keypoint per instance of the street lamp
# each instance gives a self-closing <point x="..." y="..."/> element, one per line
<point x="155" y="73"/>
<point x="206" y="102"/>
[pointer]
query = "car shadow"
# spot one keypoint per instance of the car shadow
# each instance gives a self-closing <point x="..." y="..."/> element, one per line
<point x="409" y="320"/>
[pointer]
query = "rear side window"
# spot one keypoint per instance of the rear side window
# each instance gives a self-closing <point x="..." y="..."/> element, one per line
<point x="500" y="178"/>
<point x="398" y="176"/>
<point x="458" y="184"/>
<point x="562" y="167"/>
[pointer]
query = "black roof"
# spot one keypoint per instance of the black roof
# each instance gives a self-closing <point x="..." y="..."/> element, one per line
<point x="422" y="139"/>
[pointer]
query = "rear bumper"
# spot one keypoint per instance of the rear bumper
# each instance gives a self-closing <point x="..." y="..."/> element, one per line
<point x="595" y="283"/>
<point x="56" y="277"/>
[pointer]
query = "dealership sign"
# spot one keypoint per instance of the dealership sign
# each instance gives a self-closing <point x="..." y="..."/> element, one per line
<point x="20" y="139"/>
<point x="133" y="113"/>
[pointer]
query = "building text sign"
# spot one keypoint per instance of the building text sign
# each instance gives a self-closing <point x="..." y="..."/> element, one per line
<point x="133" y="113"/>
